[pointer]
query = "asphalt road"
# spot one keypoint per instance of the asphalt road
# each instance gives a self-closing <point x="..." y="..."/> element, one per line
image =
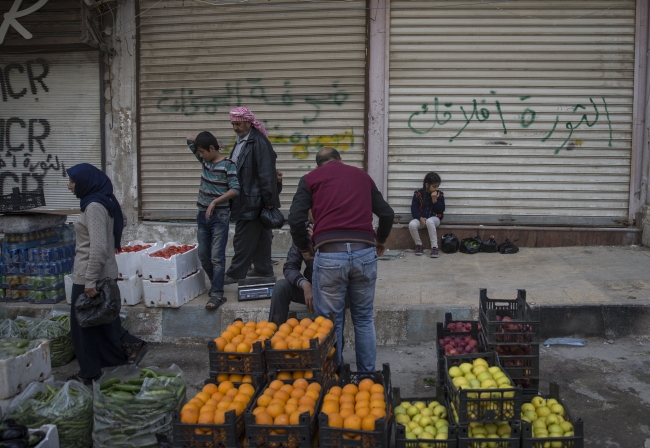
<point x="606" y="383"/>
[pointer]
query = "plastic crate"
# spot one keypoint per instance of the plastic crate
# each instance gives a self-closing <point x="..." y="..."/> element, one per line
<point x="380" y="437"/>
<point x="575" y="441"/>
<point x="295" y="436"/>
<point x="523" y="369"/>
<point x="231" y="362"/>
<point x="400" y="430"/>
<point x="477" y="409"/>
<point x="312" y="358"/>
<point x="524" y="329"/>
<point x="228" y="435"/>
<point x="18" y="201"/>
<point x="464" y="440"/>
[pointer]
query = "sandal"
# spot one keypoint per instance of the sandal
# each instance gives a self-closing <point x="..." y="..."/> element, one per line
<point x="215" y="302"/>
<point x="135" y="351"/>
<point x="85" y="381"/>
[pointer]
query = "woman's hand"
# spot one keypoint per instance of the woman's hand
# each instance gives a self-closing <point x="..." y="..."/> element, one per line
<point x="434" y="196"/>
<point x="90" y="292"/>
<point x="279" y="174"/>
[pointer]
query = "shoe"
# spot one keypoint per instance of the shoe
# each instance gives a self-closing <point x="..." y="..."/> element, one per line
<point x="419" y="250"/>
<point x="254" y="273"/>
<point x="85" y="381"/>
<point x="216" y="300"/>
<point x="229" y="280"/>
<point x="434" y="252"/>
<point x="135" y="352"/>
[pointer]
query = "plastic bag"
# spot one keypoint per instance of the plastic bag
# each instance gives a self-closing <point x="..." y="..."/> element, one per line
<point x="508" y="248"/>
<point x="272" y="218"/>
<point x="69" y="406"/>
<point x="489" y="245"/>
<point x="102" y="309"/>
<point x="3" y="313"/>
<point x="450" y="243"/>
<point x="13" y="347"/>
<point x="57" y="330"/>
<point x="131" y="413"/>
<point x="470" y="245"/>
<point x="18" y="328"/>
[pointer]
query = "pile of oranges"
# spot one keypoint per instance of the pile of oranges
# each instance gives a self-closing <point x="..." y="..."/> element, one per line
<point x="209" y="406"/>
<point x="240" y="337"/>
<point x="295" y="335"/>
<point x="355" y="407"/>
<point x="282" y="404"/>
<point x="234" y="378"/>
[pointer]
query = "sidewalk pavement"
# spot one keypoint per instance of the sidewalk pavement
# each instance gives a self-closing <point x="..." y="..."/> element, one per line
<point x="592" y="291"/>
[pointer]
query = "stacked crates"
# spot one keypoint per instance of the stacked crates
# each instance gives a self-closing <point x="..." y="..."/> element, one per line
<point x="511" y="329"/>
<point x="33" y="265"/>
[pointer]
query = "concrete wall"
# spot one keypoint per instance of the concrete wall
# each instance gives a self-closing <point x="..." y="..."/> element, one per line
<point x="645" y="225"/>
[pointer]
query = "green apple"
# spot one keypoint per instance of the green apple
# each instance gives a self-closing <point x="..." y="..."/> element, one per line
<point x="552" y="420"/>
<point x="410" y="435"/>
<point x="566" y="426"/>
<point x="431" y="430"/>
<point x="402" y="419"/>
<point x="416" y="418"/>
<point x="538" y="402"/>
<point x="420" y="405"/>
<point x="425" y="421"/>
<point x="441" y="422"/>
<point x="527" y="407"/>
<point x="400" y="410"/>
<point x="427" y="412"/>
<point x="440" y="411"/>
<point x="433" y="404"/>
<point x="405" y="404"/>
<point x="504" y="431"/>
<point x="412" y="425"/>
<point x="412" y="411"/>
<point x="466" y="367"/>
<point x="556" y="408"/>
<point x="455" y="371"/>
<point x="417" y="431"/>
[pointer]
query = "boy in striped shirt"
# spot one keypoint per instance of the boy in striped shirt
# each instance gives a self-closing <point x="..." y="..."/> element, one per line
<point x="219" y="185"/>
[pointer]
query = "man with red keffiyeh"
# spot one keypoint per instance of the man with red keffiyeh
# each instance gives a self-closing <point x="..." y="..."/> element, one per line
<point x="255" y="159"/>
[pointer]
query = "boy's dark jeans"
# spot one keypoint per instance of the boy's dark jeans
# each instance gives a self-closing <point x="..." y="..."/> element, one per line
<point x="212" y="237"/>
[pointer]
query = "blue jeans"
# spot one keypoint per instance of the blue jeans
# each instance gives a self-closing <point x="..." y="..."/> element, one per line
<point x="354" y="273"/>
<point x="212" y="237"/>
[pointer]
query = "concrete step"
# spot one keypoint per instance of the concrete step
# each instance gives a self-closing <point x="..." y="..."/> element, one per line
<point x="584" y="292"/>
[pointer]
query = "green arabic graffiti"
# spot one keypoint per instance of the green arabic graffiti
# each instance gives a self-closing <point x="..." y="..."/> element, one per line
<point x="482" y="113"/>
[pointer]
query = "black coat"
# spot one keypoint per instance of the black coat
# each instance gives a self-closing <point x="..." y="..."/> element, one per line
<point x="257" y="178"/>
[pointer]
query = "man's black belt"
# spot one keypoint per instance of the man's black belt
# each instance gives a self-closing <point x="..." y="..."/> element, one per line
<point x="343" y="247"/>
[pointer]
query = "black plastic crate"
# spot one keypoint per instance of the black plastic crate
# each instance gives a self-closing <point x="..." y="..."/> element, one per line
<point x="312" y="358"/>
<point x="575" y="441"/>
<point x="235" y="362"/>
<point x="523" y="369"/>
<point x="524" y="329"/>
<point x="294" y="436"/>
<point x="464" y="440"/>
<point x="17" y="201"/>
<point x="380" y="437"/>
<point x="400" y="430"/>
<point x="228" y="435"/>
<point x="471" y="405"/>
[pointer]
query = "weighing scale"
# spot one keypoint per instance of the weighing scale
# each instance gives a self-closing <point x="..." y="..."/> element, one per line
<point x="259" y="288"/>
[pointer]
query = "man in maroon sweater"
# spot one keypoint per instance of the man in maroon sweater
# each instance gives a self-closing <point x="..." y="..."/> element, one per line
<point x="342" y="199"/>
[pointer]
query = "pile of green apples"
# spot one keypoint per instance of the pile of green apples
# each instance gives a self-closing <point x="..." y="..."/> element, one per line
<point x="422" y="421"/>
<point x="496" y="430"/>
<point x="479" y="375"/>
<point x="547" y="419"/>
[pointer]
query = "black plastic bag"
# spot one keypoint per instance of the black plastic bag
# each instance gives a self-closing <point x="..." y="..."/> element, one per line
<point x="489" y="245"/>
<point x="470" y="245"/>
<point x="450" y="243"/>
<point x="508" y="248"/>
<point x="102" y="309"/>
<point x="272" y="218"/>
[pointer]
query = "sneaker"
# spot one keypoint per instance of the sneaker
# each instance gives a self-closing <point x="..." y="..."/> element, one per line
<point x="419" y="250"/>
<point x="434" y="252"/>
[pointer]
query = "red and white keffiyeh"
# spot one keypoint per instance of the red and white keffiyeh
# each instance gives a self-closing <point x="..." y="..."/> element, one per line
<point x="244" y="114"/>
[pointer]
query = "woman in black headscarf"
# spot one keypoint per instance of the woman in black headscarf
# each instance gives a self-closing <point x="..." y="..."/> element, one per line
<point x="99" y="232"/>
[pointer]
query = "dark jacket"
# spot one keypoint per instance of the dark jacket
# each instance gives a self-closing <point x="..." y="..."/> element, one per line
<point x="342" y="199"/>
<point x="423" y="207"/>
<point x="291" y="269"/>
<point x="257" y="178"/>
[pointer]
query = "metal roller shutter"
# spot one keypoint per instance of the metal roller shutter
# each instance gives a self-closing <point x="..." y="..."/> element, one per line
<point x="300" y="69"/>
<point x="49" y="121"/>
<point x="524" y="108"/>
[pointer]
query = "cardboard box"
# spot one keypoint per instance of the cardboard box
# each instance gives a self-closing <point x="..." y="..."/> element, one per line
<point x="175" y="293"/>
<point x="129" y="264"/>
<point x="131" y="290"/>
<point x="16" y="373"/>
<point x="175" y="268"/>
